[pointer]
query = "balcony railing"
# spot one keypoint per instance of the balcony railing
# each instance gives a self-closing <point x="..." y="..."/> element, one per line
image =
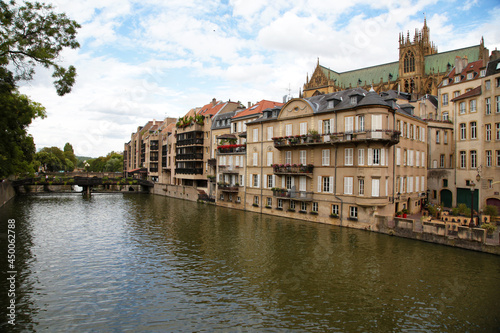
<point x="195" y="156"/>
<point x="293" y="168"/>
<point x="231" y="149"/>
<point x="229" y="168"/>
<point x="189" y="142"/>
<point x="293" y="195"/>
<point x="228" y="187"/>
<point x="189" y="171"/>
<point x="390" y="136"/>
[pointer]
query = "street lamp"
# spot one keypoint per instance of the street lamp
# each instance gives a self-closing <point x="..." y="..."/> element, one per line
<point x="471" y="224"/>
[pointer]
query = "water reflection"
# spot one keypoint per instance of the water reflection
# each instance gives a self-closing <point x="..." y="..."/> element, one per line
<point x="149" y="263"/>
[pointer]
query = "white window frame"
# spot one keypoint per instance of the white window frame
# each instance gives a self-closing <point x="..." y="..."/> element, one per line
<point x="348" y="156"/>
<point x="325" y="157"/>
<point x="348" y="185"/>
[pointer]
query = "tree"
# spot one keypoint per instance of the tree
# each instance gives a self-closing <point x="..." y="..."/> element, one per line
<point x="33" y="35"/>
<point x="70" y="155"/>
<point x="30" y="35"/>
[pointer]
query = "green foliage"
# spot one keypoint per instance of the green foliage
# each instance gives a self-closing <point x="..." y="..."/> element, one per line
<point x="490" y="228"/>
<point x="491" y="211"/>
<point x="54" y="159"/>
<point x="32" y="35"/>
<point x="113" y="162"/>
<point x="463" y="210"/>
<point x="70" y="154"/>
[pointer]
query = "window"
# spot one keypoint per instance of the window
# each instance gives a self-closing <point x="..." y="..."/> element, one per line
<point x="398" y="156"/>
<point x="292" y="204"/>
<point x="288" y="182"/>
<point x="256" y="200"/>
<point x="497" y="102"/>
<point x="348" y="124"/>
<point x="288" y="130"/>
<point x="497" y="131"/>
<point x="482" y="72"/>
<point x="348" y="158"/>
<point x="488" y="132"/>
<point x="487" y="102"/>
<point x="303" y="206"/>
<point x="457" y="79"/>
<point x="445" y="141"/>
<point x="269" y="158"/>
<point x="325" y="157"/>
<point x="327" y="184"/>
<point x="221" y="197"/>
<point x="462" y="107"/>
<point x="255" y="159"/>
<point x="469" y="76"/>
<point x="445" y="182"/>
<point x="487" y="85"/>
<point x="303" y="128"/>
<point x="441" y="161"/>
<point x="473" y="159"/>
<point x="472" y="106"/>
<point x="270" y="181"/>
<point x="270" y="134"/>
<point x="497" y="80"/>
<point x="269" y="202"/>
<point x="375" y="187"/>
<point x="360" y="123"/>
<point x="302" y="183"/>
<point x="445" y="99"/>
<point x="353" y="212"/>
<point x="256" y="180"/>
<point x="255" y="134"/>
<point x="314" y="207"/>
<point x="354" y="100"/>
<point x="417" y="159"/>
<point x="445" y="116"/>
<point x="497" y="153"/>
<point x="288" y="157"/>
<point x="409" y="62"/>
<point x="473" y="130"/>
<point x="463" y="160"/>
<point x="335" y="210"/>
<point x="361" y="186"/>
<point x="456" y="94"/>
<point x="437" y="135"/>
<point x="463" y="131"/>
<point x="326" y="126"/>
<point x="361" y="157"/>
<point x="280" y="203"/>
<point x="348" y="185"/>
<point x="303" y="157"/>
<point x="375" y="158"/>
<point x="488" y="158"/>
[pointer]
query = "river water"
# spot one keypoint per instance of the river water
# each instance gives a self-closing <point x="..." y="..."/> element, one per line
<point x="125" y="262"/>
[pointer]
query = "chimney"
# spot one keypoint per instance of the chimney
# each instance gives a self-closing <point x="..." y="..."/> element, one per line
<point x="249" y="105"/>
<point x="214" y="101"/>
<point x="458" y="65"/>
<point x="154" y="122"/>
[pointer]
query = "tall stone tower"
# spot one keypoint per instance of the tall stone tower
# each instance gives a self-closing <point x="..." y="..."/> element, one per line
<point x="412" y="76"/>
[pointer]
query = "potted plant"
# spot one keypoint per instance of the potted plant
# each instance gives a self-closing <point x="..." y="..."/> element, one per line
<point x="490" y="229"/>
<point x="405" y="212"/>
<point x="398" y="214"/>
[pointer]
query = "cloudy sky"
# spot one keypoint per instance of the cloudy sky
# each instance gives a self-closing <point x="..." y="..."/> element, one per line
<point x="148" y="59"/>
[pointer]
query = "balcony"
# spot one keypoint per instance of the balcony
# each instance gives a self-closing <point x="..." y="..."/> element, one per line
<point x="194" y="156"/>
<point x="293" y="169"/>
<point x="369" y="136"/>
<point x="232" y="149"/>
<point x="189" y="171"/>
<point x="229" y="169"/>
<point x="224" y="187"/>
<point x="189" y="142"/>
<point x="293" y="195"/>
<point x="212" y="162"/>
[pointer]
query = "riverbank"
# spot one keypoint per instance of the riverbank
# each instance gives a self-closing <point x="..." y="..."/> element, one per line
<point x="7" y="192"/>
<point x="413" y="227"/>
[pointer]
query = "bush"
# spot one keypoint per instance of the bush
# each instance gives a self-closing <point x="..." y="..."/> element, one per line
<point x="490" y="228"/>
<point x="491" y="211"/>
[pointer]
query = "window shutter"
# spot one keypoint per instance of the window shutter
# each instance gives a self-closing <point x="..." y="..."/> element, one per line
<point x="250" y="181"/>
<point x="293" y="181"/>
<point x="332" y="125"/>
<point x="274" y="180"/>
<point x="356" y="124"/>
<point x="242" y="180"/>
<point x="320" y="127"/>
<point x="282" y="181"/>
<point x="319" y="184"/>
<point x="302" y="183"/>
<point x="331" y="184"/>
<point x="382" y="156"/>
<point x="370" y="156"/>
<point x="258" y="180"/>
<point x="265" y="182"/>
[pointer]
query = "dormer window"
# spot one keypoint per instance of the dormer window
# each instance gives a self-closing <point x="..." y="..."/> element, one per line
<point x="354" y="100"/>
<point x="457" y="79"/>
<point x="275" y="113"/>
<point x="330" y="104"/>
<point x="445" y="82"/>
<point x="469" y="76"/>
<point x="482" y="72"/>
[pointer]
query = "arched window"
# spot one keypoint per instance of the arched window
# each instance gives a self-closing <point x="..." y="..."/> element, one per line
<point x="409" y="62"/>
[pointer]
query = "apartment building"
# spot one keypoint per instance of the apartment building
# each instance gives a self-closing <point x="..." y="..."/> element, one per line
<point x="340" y="158"/>
<point x="230" y="134"/>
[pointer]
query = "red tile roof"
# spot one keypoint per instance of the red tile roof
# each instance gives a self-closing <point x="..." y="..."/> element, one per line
<point x="257" y="108"/>
<point x="474" y="66"/>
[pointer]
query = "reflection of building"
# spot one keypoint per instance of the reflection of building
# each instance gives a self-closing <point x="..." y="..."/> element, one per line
<point x="418" y="71"/>
<point x="336" y="158"/>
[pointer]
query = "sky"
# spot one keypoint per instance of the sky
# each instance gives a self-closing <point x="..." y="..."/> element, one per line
<point x="151" y="59"/>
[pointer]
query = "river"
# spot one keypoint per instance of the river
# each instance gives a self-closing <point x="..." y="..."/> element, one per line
<point x="144" y="263"/>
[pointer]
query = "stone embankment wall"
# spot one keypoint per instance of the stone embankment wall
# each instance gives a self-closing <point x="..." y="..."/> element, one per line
<point x="450" y="234"/>
<point x="176" y="191"/>
<point x="7" y="192"/>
